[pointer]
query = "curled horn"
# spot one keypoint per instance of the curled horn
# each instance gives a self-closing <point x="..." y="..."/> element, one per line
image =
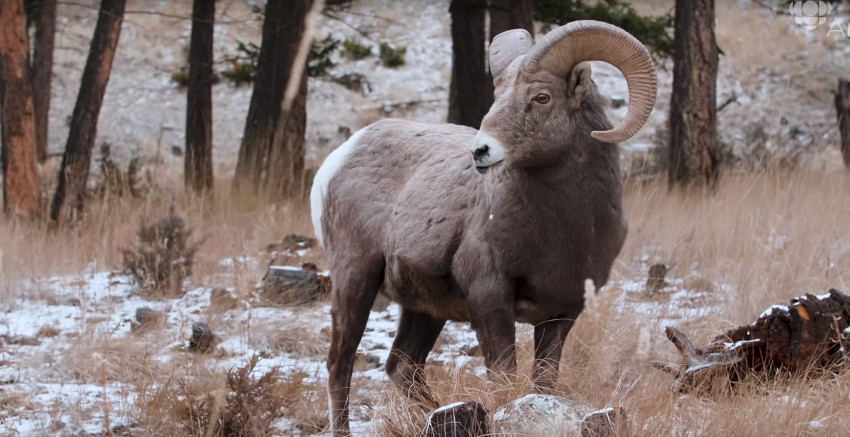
<point x="506" y="46"/>
<point x="563" y="48"/>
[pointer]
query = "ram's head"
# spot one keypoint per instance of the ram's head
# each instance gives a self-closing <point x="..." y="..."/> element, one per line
<point x="545" y="100"/>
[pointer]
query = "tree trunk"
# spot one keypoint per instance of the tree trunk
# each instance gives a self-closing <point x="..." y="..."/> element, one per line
<point x="285" y="172"/>
<point x="198" y="169"/>
<point x="693" y="103"/>
<point x="21" y="194"/>
<point x="73" y="177"/>
<point x="470" y="91"/>
<point x="510" y="14"/>
<point x="842" y="111"/>
<point x="261" y="149"/>
<point x="42" y="72"/>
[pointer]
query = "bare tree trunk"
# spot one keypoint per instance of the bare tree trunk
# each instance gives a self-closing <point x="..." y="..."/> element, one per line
<point x="198" y="168"/>
<point x="42" y="71"/>
<point x="286" y="168"/>
<point x="470" y="93"/>
<point x="70" y="193"/>
<point x="510" y="14"/>
<point x="693" y="104"/>
<point x="842" y="112"/>
<point x="262" y="153"/>
<point x="21" y="194"/>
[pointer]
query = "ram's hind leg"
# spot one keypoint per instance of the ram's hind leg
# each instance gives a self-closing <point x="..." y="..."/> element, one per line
<point x="417" y="333"/>
<point x="355" y="286"/>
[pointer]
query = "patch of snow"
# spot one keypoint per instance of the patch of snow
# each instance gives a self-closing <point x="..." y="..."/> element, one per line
<point x="602" y="411"/>
<point x="447" y="407"/>
<point x="737" y="344"/>
<point x="769" y="311"/>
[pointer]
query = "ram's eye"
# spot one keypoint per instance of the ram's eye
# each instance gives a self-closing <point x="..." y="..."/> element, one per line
<point x="542" y="98"/>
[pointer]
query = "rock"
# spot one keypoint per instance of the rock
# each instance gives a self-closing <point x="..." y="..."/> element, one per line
<point x="353" y="81"/>
<point x="472" y="350"/>
<point x="221" y="300"/>
<point x="363" y="362"/>
<point x="460" y="419"/>
<point x="21" y="340"/>
<point x="288" y="285"/>
<point x="63" y="301"/>
<point x="540" y="415"/>
<point x="604" y="423"/>
<point x="47" y="331"/>
<point x="146" y="319"/>
<point x="202" y="340"/>
<point x="325" y="285"/>
<point x="655" y="281"/>
<point x="618" y="101"/>
<point x="292" y="244"/>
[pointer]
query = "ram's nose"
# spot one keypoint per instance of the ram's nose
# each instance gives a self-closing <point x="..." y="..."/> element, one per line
<point x="486" y="151"/>
<point x="480" y="152"/>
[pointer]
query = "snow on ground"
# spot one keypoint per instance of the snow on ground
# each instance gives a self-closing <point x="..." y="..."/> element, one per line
<point x="90" y="314"/>
<point x="69" y="376"/>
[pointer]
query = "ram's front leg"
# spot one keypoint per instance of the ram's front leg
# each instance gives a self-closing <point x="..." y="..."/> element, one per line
<point x="491" y="312"/>
<point x="549" y="338"/>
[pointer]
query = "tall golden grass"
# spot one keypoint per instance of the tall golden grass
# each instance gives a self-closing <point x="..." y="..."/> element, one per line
<point x="758" y="239"/>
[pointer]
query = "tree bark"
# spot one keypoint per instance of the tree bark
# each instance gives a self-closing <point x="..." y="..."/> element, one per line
<point x="42" y="72"/>
<point x="842" y="112"/>
<point x="285" y="173"/>
<point x="510" y="14"/>
<point x="261" y="149"/>
<point x="470" y="92"/>
<point x="70" y="194"/>
<point x="198" y="169"/>
<point x="21" y="195"/>
<point x="693" y="103"/>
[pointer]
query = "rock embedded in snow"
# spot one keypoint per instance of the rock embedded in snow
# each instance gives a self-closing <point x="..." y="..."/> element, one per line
<point x="460" y="419"/>
<point x="544" y="415"/>
<point x="146" y="319"/>
<point x="203" y="340"/>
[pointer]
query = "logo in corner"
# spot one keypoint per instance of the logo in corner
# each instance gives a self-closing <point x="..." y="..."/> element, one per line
<point x="809" y="14"/>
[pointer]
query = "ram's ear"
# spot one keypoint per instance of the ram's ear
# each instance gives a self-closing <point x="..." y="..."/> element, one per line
<point x="578" y="83"/>
<point x="506" y="47"/>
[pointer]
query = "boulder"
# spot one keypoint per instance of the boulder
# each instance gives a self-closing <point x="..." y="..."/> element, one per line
<point x="539" y="415"/>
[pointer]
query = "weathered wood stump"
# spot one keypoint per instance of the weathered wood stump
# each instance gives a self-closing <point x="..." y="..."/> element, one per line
<point x="461" y="419"/>
<point x="288" y="285"/>
<point x="809" y="335"/>
<point x="202" y="340"/>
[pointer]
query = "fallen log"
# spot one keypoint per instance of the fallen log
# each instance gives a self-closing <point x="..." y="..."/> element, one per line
<point x="810" y="335"/>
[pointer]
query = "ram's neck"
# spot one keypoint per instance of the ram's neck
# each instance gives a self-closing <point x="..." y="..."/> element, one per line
<point x="551" y="195"/>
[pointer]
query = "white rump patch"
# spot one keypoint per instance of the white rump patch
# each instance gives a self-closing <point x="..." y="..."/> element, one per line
<point x="326" y="172"/>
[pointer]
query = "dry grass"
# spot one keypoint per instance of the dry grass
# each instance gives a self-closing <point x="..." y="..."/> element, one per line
<point x="230" y="226"/>
<point x="760" y="239"/>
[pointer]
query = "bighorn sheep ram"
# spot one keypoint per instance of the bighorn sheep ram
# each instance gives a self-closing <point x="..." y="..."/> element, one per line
<point x="493" y="226"/>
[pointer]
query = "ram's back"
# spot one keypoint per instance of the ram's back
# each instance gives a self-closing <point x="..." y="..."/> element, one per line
<point x="398" y="189"/>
